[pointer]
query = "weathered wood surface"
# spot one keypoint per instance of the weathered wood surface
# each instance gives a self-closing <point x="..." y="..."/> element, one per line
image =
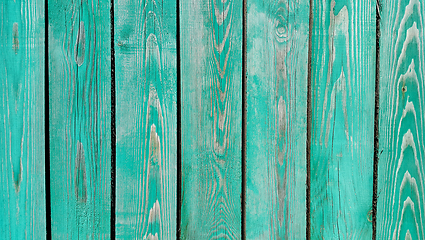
<point x="277" y="53"/>
<point x="146" y="175"/>
<point x="343" y="77"/>
<point x="22" y="186"/>
<point x="401" y="141"/>
<point x="79" y="102"/>
<point x="211" y="78"/>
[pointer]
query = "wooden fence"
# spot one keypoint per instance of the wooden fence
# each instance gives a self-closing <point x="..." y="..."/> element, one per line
<point x="217" y="119"/>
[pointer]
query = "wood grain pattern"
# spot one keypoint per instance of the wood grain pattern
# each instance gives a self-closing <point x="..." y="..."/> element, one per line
<point x="146" y="119"/>
<point x="401" y="168"/>
<point x="22" y="186"/>
<point x="277" y="50"/>
<point x="211" y="77"/>
<point x="343" y="76"/>
<point x="80" y="134"/>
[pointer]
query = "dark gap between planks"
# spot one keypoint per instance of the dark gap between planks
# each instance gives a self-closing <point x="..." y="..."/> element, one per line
<point x="243" y="149"/>
<point x="376" y="125"/>
<point x="46" y="123"/>
<point x="113" y="130"/>
<point x="309" y="112"/>
<point x="179" y="138"/>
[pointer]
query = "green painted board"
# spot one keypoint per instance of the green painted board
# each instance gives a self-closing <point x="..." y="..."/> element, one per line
<point x="342" y="139"/>
<point x="277" y="54"/>
<point x="401" y="209"/>
<point x="211" y="123"/>
<point x="146" y="120"/>
<point x="22" y="186"/>
<point x="80" y="122"/>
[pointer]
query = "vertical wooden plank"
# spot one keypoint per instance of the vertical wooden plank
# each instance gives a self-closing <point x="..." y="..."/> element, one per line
<point x="211" y="78"/>
<point x="277" y="51"/>
<point x="400" y="213"/>
<point x="343" y="77"/>
<point x="145" y="44"/>
<point x="22" y="185"/>
<point x="79" y="102"/>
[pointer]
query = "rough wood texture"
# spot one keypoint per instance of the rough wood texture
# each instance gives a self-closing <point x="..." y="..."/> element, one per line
<point x="343" y="77"/>
<point x="79" y="88"/>
<point x="401" y="141"/>
<point x="211" y="77"/>
<point x="277" y="52"/>
<point x="22" y="188"/>
<point x="145" y="44"/>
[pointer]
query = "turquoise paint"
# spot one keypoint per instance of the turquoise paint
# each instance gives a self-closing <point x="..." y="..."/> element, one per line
<point x="211" y="78"/>
<point x="146" y="175"/>
<point x="277" y="54"/>
<point x="22" y="186"/>
<point x="80" y="135"/>
<point x="400" y="210"/>
<point x="343" y="76"/>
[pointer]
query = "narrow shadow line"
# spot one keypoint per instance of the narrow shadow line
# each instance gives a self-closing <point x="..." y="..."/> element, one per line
<point x="376" y="125"/>
<point x="179" y="145"/>
<point x="309" y="113"/>
<point x="243" y="150"/>
<point x="46" y="123"/>
<point x="113" y="130"/>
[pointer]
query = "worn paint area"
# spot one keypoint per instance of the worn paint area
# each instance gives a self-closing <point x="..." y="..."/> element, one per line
<point x="79" y="118"/>
<point x="276" y="119"/>
<point x="342" y="85"/>
<point x="401" y="169"/>
<point x="211" y="115"/>
<point x="22" y="134"/>
<point x="146" y="119"/>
